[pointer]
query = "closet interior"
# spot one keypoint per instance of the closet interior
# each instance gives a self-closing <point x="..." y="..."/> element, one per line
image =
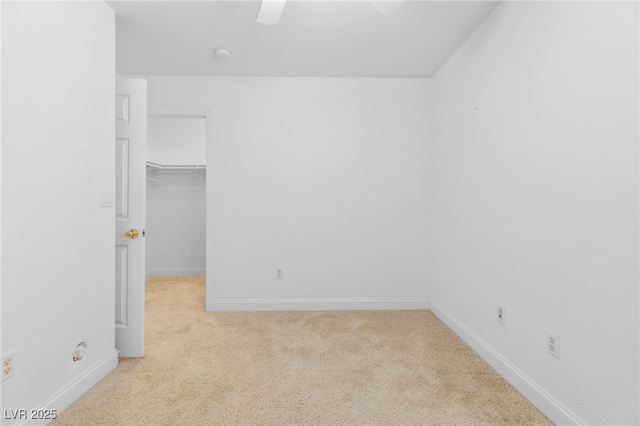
<point x="176" y="196"/>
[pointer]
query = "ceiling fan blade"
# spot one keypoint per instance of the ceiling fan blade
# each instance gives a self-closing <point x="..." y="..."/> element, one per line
<point x="386" y="6"/>
<point x="270" y="11"/>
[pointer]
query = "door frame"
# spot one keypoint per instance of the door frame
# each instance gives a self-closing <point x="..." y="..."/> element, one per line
<point x="208" y="114"/>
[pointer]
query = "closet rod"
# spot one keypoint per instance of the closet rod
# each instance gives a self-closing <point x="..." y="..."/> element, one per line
<point x="157" y="180"/>
<point x="153" y="165"/>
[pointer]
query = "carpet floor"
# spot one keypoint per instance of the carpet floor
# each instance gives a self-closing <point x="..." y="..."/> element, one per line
<point x="288" y="368"/>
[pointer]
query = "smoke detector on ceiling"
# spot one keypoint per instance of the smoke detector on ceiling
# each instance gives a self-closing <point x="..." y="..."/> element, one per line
<point x="222" y="54"/>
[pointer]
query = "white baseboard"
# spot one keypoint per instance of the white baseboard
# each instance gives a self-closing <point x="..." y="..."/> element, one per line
<point x="67" y="396"/>
<point x="544" y="402"/>
<point x="231" y="305"/>
<point x="176" y="272"/>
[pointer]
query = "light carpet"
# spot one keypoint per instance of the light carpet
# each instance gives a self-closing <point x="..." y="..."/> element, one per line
<point x="287" y="368"/>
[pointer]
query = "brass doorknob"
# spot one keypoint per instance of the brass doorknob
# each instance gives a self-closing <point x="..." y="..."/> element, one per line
<point x="132" y="233"/>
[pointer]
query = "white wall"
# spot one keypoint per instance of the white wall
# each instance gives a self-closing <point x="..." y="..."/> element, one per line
<point x="58" y="76"/>
<point x="535" y="199"/>
<point x="177" y="141"/>
<point x="322" y="177"/>
<point x="176" y="224"/>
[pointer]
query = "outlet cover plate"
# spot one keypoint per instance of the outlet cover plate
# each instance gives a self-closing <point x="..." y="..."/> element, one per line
<point x="501" y="314"/>
<point x="8" y="364"/>
<point x="553" y="344"/>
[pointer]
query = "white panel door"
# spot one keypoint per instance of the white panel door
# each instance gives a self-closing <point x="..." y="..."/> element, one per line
<point x="131" y="142"/>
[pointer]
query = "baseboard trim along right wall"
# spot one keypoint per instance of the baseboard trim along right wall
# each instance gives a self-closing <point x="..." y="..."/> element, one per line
<point x="544" y="402"/>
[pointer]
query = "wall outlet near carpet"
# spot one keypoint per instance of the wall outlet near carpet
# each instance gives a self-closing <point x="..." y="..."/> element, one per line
<point x="280" y="273"/>
<point x="8" y="364"/>
<point x="553" y="344"/>
<point x="501" y="314"/>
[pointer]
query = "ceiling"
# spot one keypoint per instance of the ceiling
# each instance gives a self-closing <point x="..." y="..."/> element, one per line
<point x="347" y="38"/>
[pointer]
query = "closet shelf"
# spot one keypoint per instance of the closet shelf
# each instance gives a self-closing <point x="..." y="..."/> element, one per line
<point x="153" y="168"/>
<point x="157" y="166"/>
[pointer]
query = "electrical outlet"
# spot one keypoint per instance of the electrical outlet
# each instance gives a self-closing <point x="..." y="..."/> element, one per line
<point x="280" y="273"/>
<point x="8" y="365"/>
<point x="553" y="344"/>
<point x="502" y="312"/>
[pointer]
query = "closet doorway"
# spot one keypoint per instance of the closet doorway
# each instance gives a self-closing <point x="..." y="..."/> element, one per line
<point x="178" y="222"/>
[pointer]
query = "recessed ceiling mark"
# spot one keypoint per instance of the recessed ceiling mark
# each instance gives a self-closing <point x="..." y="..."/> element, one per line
<point x="222" y="54"/>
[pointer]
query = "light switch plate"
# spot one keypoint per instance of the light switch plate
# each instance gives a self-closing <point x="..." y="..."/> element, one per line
<point x="106" y="199"/>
